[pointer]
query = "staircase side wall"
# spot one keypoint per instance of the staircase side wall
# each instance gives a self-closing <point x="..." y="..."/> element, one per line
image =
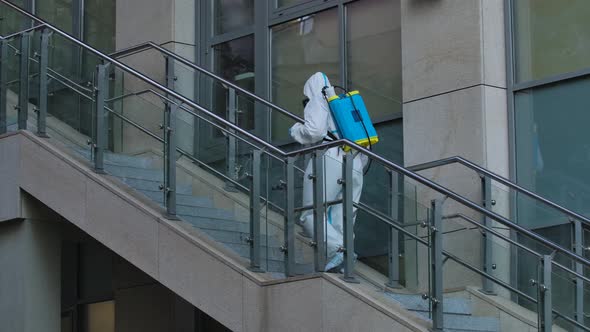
<point x="185" y="263"/>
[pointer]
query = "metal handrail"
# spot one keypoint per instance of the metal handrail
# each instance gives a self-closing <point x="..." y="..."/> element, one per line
<point x="143" y="77"/>
<point x="513" y="242"/>
<point x="147" y="45"/>
<point x="392" y="166"/>
<point x="401" y="228"/>
<point x="14" y="34"/>
<point x="499" y="178"/>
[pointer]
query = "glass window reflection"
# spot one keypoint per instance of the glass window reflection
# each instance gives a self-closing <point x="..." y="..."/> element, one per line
<point x="551" y="37"/>
<point x="234" y="61"/>
<point x="232" y="14"/>
<point x="374" y="56"/>
<point x="547" y="120"/>
<point x="300" y="48"/>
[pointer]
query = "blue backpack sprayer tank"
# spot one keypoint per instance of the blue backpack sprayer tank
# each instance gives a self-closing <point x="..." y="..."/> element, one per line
<point x="351" y="117"/>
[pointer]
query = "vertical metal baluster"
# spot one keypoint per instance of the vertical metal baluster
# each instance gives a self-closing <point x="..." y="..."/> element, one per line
<point x="396" y="212"/>
<point x="231" y="140"/>
<point x="43" y="84"/>
<point x="319" y="211"/>
<point x="436" y="266"/>
<point x="23" y="101"/>
<point x="3" y="87"/>
<point x="486" y="186"/>
<point x="255" y="237"/>
<point x="102" y="90"/>
<point x="348" y="222"/>
<point x="578" y="249"/>
<point x="289" y="247"/>
<point x="169" y="72"/>
<point x="545" y="312"/>
<point x="170" y="169"/>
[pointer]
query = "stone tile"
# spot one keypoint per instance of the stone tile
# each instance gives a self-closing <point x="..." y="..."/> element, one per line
<point x="201" y="278"/>
<point x="122" y="227"/>
<point x="467" y="246"/>
<point x="496" y="130"/>
<point x="52" y="181"/>
<point x="445" y="126"/>
<point x="441" y="46"/>
<point x="295" y="306"/>
<point x="510" y="323"/>
<point x="255" y="307"/>
<point x="9" y="177"/>
<point x="343" y="312"/>
<point x="483" y="308"/>
<point x="494" y="57"/>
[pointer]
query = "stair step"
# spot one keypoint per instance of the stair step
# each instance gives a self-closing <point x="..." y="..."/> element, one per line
<point x="455" y="323"/>
<point x="271" y="253"/>
<point x="152" y="185"/>
<point x="230" y="237"/>
<point x="471" y="323"/>
<point x="135" y="172"/>
<point x="117" y="158"/>
<point x="205" y="212"/>
<point x="181" y="199"/>
<point x="216" y="224"/>
<point x="452" y="305"/>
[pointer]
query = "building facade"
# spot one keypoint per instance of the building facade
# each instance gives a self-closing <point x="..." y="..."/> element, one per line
<point x="500" y="83"/>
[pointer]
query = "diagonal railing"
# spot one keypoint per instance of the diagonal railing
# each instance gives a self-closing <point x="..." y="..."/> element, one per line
<point x="176" y="102"/>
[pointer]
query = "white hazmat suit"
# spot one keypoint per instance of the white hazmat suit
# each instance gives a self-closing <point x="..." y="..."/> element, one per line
<point x="318" y="122"/>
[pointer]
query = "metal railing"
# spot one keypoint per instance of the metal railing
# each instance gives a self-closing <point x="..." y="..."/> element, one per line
<point x="177" y="102"/>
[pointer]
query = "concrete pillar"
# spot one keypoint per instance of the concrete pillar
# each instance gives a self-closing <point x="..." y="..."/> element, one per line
<point x="454" y="93"/>
<point x="168" y="21"/>
<point x="30" y="280"/>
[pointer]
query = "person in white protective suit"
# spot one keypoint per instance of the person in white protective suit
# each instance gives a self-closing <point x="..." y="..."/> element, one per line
<point x="318" y="122"/>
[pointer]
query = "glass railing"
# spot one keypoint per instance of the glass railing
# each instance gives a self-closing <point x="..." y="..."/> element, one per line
<point x="208" y="168"/>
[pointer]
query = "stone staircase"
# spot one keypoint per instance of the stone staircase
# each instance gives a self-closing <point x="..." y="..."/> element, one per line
<point x="226" y="228"/>
<point x="458" y="315"/>
<point x="145" y="176"/>
<point x="221" y="225"/>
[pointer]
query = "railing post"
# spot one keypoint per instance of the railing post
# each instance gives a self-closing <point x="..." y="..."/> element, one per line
<point x="3" y="87"/>
<point x="487" y="284"/>
<point x="436" y="265"/>
<point x="396" y="206"/>
<point x="579" y="249"/>
<point x="170" y="169"/>
<point x="231" y="140"/>
<point x="319" y="211"/>
<point x="348" y="214"/>
<point x="102" y="90"/>
<point x="23" y="100"/>
<point x="544" y="305"/>
<point x="255" y="213"/>
<point x="289" y="233"/>
<point x="43" y="84"/>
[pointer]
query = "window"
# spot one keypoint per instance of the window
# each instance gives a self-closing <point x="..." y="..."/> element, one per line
<point x="234" y="61"/>
<point x="374" y="56"/>
<point x="100" y="24"/>
<point x="99" y="317"/>
<point x="552" y="148"/>
<point x="57" y="12"/>
<point x="232" y="14"/>
<point x="300" y="48"/>
<point x="551" y="37"/>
